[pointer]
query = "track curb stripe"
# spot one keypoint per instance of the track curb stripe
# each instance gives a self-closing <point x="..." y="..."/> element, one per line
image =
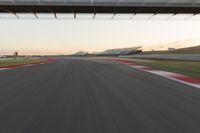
<point x="169" y="75"/>
<point x="27" y="65"/>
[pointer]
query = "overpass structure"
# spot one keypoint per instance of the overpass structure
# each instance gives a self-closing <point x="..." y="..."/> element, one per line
<point x="95" y="8"/>
<point x="100" y="6"/>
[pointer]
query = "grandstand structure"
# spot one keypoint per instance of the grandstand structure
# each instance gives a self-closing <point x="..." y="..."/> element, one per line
<point x="175" y="44"/>
<point x="121" y="51"/>
<point x="96" y="7"/>
<point x="80" y="53"/>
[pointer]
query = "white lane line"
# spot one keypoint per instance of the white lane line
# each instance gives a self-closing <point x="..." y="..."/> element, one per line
<point x="139" y="67"/>
<point x="27" y="65"/>
<point x="170" y="76"/>
<point x="165" y="74"/>
<point x="184" y="82"/>
<point x="3" y="69"/>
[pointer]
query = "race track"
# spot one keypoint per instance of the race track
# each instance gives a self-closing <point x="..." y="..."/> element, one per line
<point x="78" y="95"/>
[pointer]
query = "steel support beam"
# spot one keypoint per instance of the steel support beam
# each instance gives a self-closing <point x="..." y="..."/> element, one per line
<point x="98" y="9"/>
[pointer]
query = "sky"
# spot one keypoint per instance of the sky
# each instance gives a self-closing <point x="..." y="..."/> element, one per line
<point x="44" y="37"/>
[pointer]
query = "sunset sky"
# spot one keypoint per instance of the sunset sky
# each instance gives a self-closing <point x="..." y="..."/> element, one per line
<point x="69" y="36"/>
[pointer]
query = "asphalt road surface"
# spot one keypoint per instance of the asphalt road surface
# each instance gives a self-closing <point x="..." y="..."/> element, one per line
<point x="87" y="96"/>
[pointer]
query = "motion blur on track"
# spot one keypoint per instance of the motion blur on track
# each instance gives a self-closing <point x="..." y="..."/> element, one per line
<point x="77" y="95"/>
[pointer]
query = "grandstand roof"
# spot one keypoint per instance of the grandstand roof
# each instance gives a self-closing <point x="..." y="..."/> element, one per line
<point x="122" y="51"/>
<point x="80" y="53"/>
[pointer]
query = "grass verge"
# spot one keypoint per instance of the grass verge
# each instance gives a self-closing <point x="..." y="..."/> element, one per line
<point x="19" y="61"/>
<point x="182" y="67"/>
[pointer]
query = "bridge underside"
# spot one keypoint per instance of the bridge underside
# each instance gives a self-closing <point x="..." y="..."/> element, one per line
<point x="100" y="6"/>
<point x="97" y="9"/>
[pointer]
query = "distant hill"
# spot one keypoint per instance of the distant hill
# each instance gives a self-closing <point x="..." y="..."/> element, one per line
<point x="188" y="50"/>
